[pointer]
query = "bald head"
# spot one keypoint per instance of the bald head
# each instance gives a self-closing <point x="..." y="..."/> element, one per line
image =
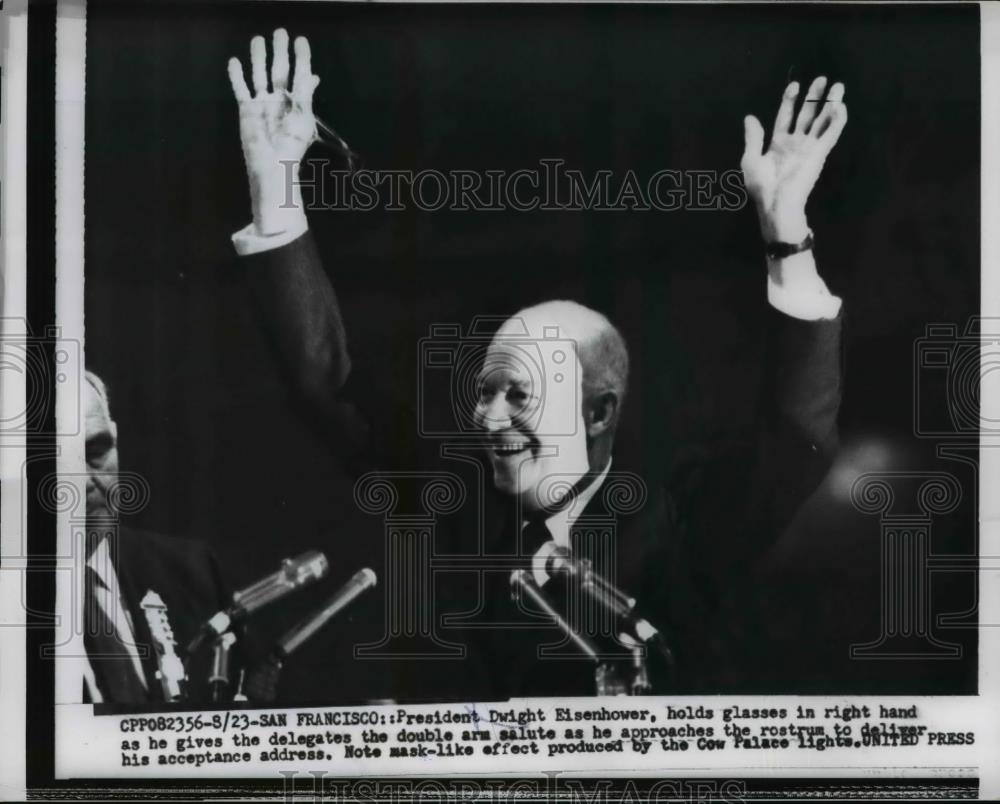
<point x="100" y="391"/>
<point x="548" y="422"/>
<point x="600" y="346"/>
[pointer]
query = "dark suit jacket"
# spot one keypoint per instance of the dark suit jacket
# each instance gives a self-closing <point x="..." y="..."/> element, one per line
<point x="186" y="576"/>
<point x="704" y="517"/>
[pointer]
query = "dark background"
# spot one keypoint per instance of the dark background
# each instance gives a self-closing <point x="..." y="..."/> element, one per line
<point x="202" y="410"/>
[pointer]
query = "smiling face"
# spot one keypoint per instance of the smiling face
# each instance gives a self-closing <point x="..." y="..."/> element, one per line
<point x="529" y="408"/>
<point x="102" y="450"/>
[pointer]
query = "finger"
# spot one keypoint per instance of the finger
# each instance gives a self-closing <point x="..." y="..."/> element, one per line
<point x="279" y="60"/>
<point x="833" y="98"/>
<point x="303" y="85"/>
<point x="306" y="102"/>
<point x="753" y="136"/>
<point x="838" y="119"/>
<point x="239" y="83"/>
<point x="783" y="121"/>
<point x="258" y="60"/>
<point x="810" y="106"/>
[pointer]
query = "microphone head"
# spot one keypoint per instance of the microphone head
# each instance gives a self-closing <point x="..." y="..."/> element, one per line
<point x="310" y="566"/>
<point x="519" y="579"/>
<point x="294" y="573"/>
<point x="366" y="578"/>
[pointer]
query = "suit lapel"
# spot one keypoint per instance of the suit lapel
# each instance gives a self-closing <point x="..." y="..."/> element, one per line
<point x="133" y="587"/>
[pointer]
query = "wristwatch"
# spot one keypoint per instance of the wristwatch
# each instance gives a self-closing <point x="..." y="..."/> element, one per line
<point x="779" y="250"/>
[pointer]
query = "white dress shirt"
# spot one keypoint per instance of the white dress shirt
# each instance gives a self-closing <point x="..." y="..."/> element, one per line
<point x="560" y="524"/>
<point x="109" y="598"/>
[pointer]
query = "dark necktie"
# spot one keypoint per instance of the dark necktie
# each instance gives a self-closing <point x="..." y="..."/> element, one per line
<point x="112" y="664"/>
<point x="534" y="535"/>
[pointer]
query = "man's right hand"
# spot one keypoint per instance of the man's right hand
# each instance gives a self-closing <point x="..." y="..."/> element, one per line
<point x="276" y="128"/>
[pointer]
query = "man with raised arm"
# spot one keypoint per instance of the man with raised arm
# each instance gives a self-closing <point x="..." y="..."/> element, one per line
<point x="548" y="443"/>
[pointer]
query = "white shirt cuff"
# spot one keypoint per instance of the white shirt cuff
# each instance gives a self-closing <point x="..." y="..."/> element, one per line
<point x="809" y="301"/>
<point x="247" y="241"/>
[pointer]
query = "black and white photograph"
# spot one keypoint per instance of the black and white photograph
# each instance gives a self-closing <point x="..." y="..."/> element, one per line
<point x="593" y="381"/>
<point x="429" y="289"/>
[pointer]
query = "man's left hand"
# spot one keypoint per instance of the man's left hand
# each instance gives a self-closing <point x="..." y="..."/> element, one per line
<point x="780" y="179"/>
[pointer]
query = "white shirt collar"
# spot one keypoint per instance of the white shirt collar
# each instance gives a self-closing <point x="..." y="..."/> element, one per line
<point x="100" y="562"/>
<point x="561" y="522"/>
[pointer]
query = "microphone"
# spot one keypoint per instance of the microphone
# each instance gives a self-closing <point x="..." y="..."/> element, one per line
<point x="263" y="682"/>
<point x="294" y="574"/>
<point x="554" y="559"/>
<point x="362" y="580"/>
<point x="522" y="585"/>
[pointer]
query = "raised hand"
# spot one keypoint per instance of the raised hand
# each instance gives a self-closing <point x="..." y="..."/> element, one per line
<point x="276" y="127"/>
<point x="780" y="179"/>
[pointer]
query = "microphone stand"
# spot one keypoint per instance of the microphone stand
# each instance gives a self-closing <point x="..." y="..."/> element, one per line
<point x="556" y="560"/>
<point x="218" y="680"/>
<point x="608" y="678"/>
<point x="262" y="682"/>
<point x="639" y="683"/>
<point x="522" y="585"/>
